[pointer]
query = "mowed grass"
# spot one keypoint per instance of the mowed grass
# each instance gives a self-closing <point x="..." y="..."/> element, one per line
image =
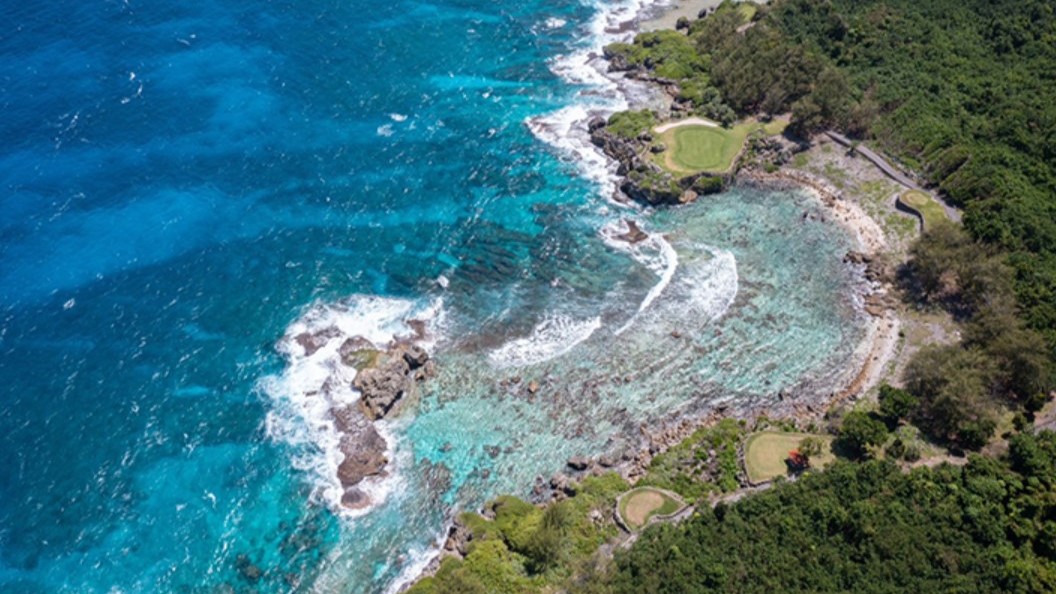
<point x="931" y="210"/>
<point x="765" y="453"/>
<point x="639" y="505"/>
<point x="710" y="149"/>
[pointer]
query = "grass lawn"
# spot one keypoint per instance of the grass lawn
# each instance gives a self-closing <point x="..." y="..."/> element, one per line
<point x="639" y="505"/>
<point x="931" y="210"/>
<point x="766" y="451"/>
<point x="697" y="148"/>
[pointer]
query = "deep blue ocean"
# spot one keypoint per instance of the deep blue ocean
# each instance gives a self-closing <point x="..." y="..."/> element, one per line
<point x="183" y="183"/>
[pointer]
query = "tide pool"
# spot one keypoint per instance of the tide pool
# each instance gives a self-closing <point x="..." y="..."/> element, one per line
<point x="182" y="183"/>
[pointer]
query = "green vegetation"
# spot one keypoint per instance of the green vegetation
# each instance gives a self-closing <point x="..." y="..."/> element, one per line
<point x="1001" y="363"/>
<point x="703" y="148"/>
<point x="861" y="433"/>
<point x="704" y="463"/>
<point x="525" y="548"/>
<point x="639" y="505"/>
<point x="765" y="453"/>
<point x="630" y="124"/>
<point x="868" y="527"/>
<point x="959" y="91"/>
<point x="929" y="209"/>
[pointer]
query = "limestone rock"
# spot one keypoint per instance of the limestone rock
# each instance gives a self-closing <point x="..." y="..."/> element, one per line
<point x="578" y="463"/>
<point x="380" y="387"/>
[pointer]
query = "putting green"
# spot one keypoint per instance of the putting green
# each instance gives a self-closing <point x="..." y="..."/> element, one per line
<point x="765" y="453"/>
<point x="703" y="148"/>
<point x="928" y="208"/>
<point x="638" y="506"/>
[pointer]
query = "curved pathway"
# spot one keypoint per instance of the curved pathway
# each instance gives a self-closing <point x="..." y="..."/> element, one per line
<point x="890" y="171"/>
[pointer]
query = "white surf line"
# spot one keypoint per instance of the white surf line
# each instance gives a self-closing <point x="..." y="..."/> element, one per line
<point x="670" y="259"/>
<point x="686" y="122"/>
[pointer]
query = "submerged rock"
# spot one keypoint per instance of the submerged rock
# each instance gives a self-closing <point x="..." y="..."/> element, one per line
<point x="250" y="572"/>
<point x="634" y="233"/>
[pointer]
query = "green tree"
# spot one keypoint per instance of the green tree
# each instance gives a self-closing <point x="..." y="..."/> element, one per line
<point x="896" y="404"/>
<point x="810" y="447"/>
<point x="860" y="432"/>
<point x="953" y="385"/>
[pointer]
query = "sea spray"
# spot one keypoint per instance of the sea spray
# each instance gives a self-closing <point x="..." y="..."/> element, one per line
<point x="552" y="337"/>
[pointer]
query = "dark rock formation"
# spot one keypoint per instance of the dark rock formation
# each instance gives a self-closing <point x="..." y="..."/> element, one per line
<point x="390" y="378"/>
<point x="682" y="23"/>
<point x="363" y="447"/>
<point x="578" y="463"/>
<point x="313" y="341"/>
<point x="634" y="233"/>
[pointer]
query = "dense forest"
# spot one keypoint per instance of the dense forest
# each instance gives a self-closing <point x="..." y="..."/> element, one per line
<point x="867" y="528"/>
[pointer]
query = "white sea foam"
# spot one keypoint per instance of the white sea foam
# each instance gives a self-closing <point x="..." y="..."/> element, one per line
<point x="385" y="130"/>
<point x="566" y="129"/>
<point x="654" y="252"/>
<point x="398" y="117"/>
<point x="555" y="23"/>
<point x="711" y="286"/>
<point x="553" y="337"/>
<point x="313" y="384"/>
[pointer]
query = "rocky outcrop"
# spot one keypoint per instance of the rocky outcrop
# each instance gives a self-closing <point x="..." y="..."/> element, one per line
<point x="311" y="342"/>
<point x="362" y="445"/>
<point x="393" y="375"/>
<point x="384" y="379"/>
<point x="643" y="180"/>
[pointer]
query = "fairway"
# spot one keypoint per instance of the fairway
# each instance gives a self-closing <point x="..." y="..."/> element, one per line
<point x="637" y="506"/>
<point x="929" y="209"/>
<point x="765" y="453"/>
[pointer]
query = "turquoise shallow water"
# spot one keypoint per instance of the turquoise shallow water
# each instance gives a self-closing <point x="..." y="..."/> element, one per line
<point x="182" y="183"/>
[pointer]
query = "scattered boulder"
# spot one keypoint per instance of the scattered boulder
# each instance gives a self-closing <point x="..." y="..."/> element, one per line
<point x="354" y="498"/>
<point x="682" y="23"/>
<point x="658" y="148"/>
<point x="595" y="124"/>
<point x="578" y="463"/>
<point x="533" y="387"/>
<point x="687" y="196"/>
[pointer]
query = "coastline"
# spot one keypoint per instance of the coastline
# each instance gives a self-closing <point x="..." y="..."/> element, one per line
<point x="566" y="130"/>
